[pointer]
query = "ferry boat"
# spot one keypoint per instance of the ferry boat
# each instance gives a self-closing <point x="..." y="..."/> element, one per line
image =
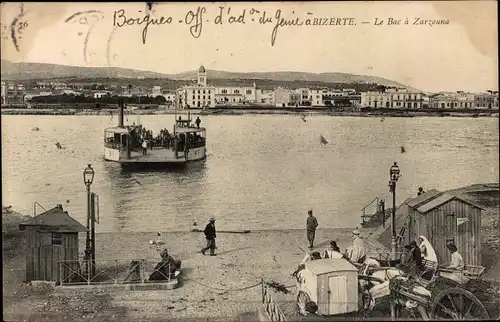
<point x="123" y="144"/>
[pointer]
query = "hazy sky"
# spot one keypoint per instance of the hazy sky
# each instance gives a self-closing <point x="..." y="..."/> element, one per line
<point x="462" y="55"/>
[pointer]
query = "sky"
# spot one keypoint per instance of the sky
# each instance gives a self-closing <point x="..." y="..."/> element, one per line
<point x="460" y="55"/>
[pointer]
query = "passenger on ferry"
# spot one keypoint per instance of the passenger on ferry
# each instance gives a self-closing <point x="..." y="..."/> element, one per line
<point x="420" y="191"/>
<point x="144" y="147"/>
<point x="198" y="121"/>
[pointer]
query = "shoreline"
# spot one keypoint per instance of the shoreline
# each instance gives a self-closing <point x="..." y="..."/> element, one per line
<point x="212" y="288"/>
<point x="270" y="111"/>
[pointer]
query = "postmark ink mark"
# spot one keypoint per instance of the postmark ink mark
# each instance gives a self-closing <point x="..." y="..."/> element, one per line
<point x="88" y="18"/>
<point x="17" y="27"/>
<point x="108" y="47"/>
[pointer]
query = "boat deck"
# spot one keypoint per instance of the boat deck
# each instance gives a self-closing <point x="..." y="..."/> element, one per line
<point x="155" y="155"/>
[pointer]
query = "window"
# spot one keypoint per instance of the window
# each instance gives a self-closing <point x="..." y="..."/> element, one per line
<point x="203" y="96"/>
<point x="194" y="96"/>
<point x="224" y="91"/>
<point x="249" y="91"/>
<point x="236" y="91"/>
<point x="203" y="91"/>
<point x="56" y="239"/>
<point x="198" y="91"/>
<point x="209" y="97"/>
<point x="198" y="96"/>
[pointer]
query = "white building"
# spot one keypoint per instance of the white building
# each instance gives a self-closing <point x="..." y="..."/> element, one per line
<point x="392" y="98"/>
<point x="452" y="100"/>
<point x="156" y="91"/>
<point x="100" y="94"/>
<point x="235" y="94"/>
<point x="196" y="96"/>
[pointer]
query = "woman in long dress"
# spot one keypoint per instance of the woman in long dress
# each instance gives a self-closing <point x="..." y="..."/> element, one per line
<point x="427" y="250"/>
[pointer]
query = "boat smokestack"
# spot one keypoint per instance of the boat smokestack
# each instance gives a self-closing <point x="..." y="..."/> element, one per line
<point x="120" y="116"/>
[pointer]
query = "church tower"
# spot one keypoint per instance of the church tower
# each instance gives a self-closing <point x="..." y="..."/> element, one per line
<point x="202" y="76"/>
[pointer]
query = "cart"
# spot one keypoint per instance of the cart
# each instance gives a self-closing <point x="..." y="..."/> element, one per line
<point x="333" y="286"/>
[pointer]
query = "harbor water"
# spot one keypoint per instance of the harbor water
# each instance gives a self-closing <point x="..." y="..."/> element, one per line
<point x="262" y="171"/>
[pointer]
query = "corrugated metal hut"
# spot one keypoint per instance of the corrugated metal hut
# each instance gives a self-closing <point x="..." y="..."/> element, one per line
<point x="446" y="218"/>
<point x="51" y="237"/>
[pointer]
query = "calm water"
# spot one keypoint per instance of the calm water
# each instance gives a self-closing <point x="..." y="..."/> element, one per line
<point x="262" y="172"/>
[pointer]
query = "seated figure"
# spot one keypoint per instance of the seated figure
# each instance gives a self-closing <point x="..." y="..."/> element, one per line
<point x="166" y="268"/>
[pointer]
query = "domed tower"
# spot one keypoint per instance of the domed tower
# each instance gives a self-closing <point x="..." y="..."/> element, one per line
<point x="202" y="76"/>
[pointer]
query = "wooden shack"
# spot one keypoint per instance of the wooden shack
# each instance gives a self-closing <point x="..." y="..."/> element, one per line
<point x="51" y="237"/>
<point x="333" y="284"/>
<point x="445" y="218"/>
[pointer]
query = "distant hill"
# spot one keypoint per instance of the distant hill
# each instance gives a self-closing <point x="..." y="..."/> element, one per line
<point x="292" y="76"/>
<point x="31" y="71"/>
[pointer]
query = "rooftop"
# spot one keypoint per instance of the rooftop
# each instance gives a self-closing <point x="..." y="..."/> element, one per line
<point x="323" y="266"/>
<point x="55" y="219"/>
<point x="423" y="198"/>
<point x="440" y="200"/>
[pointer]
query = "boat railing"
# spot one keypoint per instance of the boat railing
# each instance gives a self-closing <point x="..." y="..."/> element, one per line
<point x="112" y="145"/>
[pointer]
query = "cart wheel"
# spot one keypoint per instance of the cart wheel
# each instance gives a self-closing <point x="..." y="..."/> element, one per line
<point x="457" y="304"/>
<point x="302" y="300"/>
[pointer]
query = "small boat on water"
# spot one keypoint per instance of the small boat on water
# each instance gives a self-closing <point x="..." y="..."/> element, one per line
<point x="124" y="144"/>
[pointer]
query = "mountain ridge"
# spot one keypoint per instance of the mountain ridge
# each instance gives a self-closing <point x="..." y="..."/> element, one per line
<point x="31" y="71"/>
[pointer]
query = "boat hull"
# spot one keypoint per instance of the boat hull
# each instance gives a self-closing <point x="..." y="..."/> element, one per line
<point x="158" y="157"/>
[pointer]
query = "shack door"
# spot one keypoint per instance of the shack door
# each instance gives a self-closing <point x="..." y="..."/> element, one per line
<point x="337" y="295"/>
<point x="451" y="232"/>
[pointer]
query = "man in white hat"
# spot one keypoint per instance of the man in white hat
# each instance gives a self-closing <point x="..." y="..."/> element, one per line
<point x="210" y="235"/>
<point x="357" y="252"/>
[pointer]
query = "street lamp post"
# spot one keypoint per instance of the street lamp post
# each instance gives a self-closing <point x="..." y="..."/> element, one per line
<point x="88" y="178"/>
<point x="394" y="175"/>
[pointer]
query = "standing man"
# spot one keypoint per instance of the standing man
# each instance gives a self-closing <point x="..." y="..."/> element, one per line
<point x="210" y="235"/>
<point x="311" y="225"/>
<point x="145" y="147"/>
<point x="198" y="121"/>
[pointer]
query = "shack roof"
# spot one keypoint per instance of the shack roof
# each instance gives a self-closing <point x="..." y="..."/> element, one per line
<point x="442" y="199"/>
<point x="423" y="198"/>
<point x="55" y="219"/>
<point x="328" y="265"/>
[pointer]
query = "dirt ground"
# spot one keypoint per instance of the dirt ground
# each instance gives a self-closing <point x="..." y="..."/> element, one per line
<point x="210" y="287"/>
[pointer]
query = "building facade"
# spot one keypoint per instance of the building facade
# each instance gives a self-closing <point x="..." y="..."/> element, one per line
<point x="200" y="95"/>
<point x="235" y="94"/>
<point x="486" y="100"/>
<point x="12" y="93"/>
<point x="392" y="98"/>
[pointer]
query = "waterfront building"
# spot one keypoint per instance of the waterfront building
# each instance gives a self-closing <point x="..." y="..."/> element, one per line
<point x="486" y="100"/>
<point x="170" y="99"/>
<point x="392" y="98"/>
<point x="282" y="97"/>
<point x="443" y="100"/>
<point x="196" y="96"/>
<point x="457" y="100"/>
<point x="376" y="99"/>
<point x="101" y="94"/>
<point x="235" y="94"/>
<point x="305" y="96"/>
<point x="12" y="93"/>
<point x="156" y="91"/>
<point x="264" y="96"/>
